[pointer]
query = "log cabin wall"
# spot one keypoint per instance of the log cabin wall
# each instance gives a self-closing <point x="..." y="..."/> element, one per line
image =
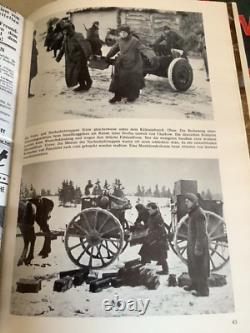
<point x="149" y="25"/>
<point x="146" y="23"/>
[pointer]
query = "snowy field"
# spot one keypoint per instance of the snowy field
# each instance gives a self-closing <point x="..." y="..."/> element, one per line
<point x="78" y="301"/>
<point x="54" y="101"/>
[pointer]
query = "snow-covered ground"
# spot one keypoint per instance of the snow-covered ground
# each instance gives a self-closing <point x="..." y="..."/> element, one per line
<point x="54" y="101"/>
<point x="80" y="302"/>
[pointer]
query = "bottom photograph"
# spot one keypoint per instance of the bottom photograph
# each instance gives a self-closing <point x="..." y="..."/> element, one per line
<point x="103" y="237"/>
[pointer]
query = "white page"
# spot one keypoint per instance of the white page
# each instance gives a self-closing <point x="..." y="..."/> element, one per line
<point x="11" y="25"/>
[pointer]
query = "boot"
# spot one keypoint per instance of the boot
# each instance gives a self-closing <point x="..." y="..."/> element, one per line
<point x="203" y="293"/>
<point x="80" y="88"/>
<point x="202" y="290"/>
<point x="192" y="286"/>
<point x="88" y="84"/>
<point x="115" y="99"/>
<point x="164" y="271"/>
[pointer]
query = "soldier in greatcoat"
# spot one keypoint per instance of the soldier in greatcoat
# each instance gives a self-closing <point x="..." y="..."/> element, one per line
<point x="127" y="79"/>
<point x="33" y="65"/>
<point x="77" y="51"/>
<point x="94" y="38"/>
<point x="203" y="50"/>
<point x="155" y="245"/>
<point x="197" y="247"/>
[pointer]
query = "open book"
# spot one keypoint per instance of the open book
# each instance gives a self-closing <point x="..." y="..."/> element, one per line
<point x="129" y="177"/>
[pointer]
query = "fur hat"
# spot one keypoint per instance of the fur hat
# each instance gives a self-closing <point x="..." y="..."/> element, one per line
<point x="192" y="197"/>
<point x="166" y="27"/>
<point x="124" y="27"/>
<point x="140" y="207"/>
<point x="152" y="205"/>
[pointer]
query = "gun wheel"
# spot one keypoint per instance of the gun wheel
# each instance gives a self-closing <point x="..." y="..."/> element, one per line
<point x="217" y="240"/>
<point x="94" y="238"/>
<point x="180" y="74"/>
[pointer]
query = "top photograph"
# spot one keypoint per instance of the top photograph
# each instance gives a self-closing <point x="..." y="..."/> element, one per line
<point x="119" y="63"/>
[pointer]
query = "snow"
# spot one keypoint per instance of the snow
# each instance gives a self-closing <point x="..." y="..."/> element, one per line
<point x="78" y="301"/>
<point x="53" y="101"/>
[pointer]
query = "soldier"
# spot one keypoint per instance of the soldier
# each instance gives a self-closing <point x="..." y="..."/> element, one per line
<point x="141" y="221"/>
<point x="94" y="38"/>
<point x="106" y="188"/>
<point x="155" y="244"/>
<point x="118" y="189"/>
<point x="127" y="79"/>
<point x="97" y="190"/>
<point x="168" y="40"/>
<point x="88" y="187"/>
<point x="203" y="50"/>
<point x="197" y="248"/>
<point x="33" y="65"/>
<point x="77" y="51"/>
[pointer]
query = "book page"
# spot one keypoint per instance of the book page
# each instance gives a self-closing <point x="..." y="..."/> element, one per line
<point x="11" y="25"/>
<point x="148" y="120"/>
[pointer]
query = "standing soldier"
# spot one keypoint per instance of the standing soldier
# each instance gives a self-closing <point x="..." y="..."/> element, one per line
<point x="203" y="50"/>
<point x="197" y="248"/>
<point x="106" y="188"/>
<point x="88" y="187"/>
<point x="33" y="65"/>
<point x="155" y="244"/>
<point x="118" y="189"/>
<point x="77" y="51"/>
<point x="127" y="79"/>
<point x="97" y="190"/>
<point x="94" y="38"/>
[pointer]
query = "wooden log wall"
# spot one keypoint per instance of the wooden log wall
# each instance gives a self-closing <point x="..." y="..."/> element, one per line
<point x="148" y="26"/>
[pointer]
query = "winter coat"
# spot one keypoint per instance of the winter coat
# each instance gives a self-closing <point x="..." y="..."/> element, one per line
<point x="155" y="245"/>
<point x="77" y="51"/>
<point x="172" y="40"/>
<point x="94" y="39"/>
<point x="197" y="246"/>
<point x="127" y="79"/>
<point x="33" y="65"/>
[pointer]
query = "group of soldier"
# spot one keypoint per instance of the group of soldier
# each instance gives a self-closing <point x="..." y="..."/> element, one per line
<point x="128" y="76"/>
<point x="155" y="243"/>
<point x="96" y="189"/>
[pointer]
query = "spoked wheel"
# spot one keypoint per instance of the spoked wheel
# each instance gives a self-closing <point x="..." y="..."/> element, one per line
<point x="217" y="240"/>
<point x="94" y="238"/>
<point x="180" y="74"/>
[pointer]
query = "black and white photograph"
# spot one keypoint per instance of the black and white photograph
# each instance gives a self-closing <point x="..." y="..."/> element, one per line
<point x="104" y="237"/>
<point x="119" y="63"/>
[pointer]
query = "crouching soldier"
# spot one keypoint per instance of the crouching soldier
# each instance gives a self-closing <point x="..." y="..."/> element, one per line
<point x="155" y="245"/>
